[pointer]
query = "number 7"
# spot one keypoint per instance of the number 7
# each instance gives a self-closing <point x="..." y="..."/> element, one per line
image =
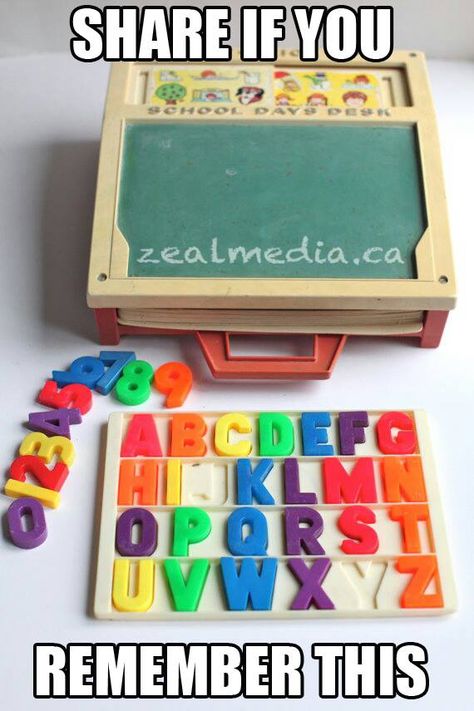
<point x="115" y="362"/>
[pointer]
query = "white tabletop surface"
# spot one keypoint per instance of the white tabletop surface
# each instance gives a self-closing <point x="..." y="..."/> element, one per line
<point x="50" y="117"/>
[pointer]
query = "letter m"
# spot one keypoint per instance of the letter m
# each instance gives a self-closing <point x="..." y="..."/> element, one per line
<point x="341" y="486"/>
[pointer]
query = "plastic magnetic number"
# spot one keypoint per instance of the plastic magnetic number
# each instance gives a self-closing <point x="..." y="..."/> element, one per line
<point x="76" y="395"/>
<point x="175" y="381"/>
<point x="55" y="422"/>
<point x="85" y="370"/>
<point x="36" y="468"/>
<point x="33" y="537"/>
<point x="37" y="443"/>
<point x="133" y="387"/>
<point x="115" y="362"/>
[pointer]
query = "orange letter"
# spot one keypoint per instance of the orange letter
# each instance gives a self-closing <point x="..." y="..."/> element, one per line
<point x="424" y="569"/>
<point x="187" y="432"/>
<point x="138" y="482"/>
<point x="358" y="485"/>
<point x="408" y="516"/>
<point x="403" y="480"/>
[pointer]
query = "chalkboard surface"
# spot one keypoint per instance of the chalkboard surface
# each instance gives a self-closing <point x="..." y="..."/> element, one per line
<point x="275" y="201"/>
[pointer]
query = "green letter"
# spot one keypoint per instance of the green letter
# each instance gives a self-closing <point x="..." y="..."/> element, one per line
<point x="191" y="525"/>
<point x="186" y="594"/>
<point x="277" y="438"/>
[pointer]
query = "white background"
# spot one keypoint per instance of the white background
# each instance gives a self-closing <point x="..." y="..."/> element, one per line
<point x="50" y="117"/>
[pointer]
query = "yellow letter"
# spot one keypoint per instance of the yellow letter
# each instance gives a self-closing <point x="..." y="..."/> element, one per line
<point x="239" y="423"/>
<point x="173" y="482"/>
<point x="144" y="595"/>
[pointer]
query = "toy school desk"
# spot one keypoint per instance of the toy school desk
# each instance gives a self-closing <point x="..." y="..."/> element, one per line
<point x="286" y="198"/>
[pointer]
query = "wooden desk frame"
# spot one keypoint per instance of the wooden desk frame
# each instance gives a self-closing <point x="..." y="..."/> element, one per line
<point x="434" y="287"/>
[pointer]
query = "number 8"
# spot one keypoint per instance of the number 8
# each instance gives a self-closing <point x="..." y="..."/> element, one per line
<point x="133" y="387"/>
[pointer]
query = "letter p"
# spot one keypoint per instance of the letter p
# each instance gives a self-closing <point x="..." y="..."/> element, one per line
<point x="191" y="525"/>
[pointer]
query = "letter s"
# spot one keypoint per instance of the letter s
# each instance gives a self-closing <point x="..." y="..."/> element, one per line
<point x="87" y="45"/>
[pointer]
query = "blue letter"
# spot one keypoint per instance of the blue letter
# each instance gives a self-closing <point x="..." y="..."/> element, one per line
<point x="249" y="583"/>
<point x="250" y="484"/>
<point x="256" y="542"/>
<point x="315" y="436"/>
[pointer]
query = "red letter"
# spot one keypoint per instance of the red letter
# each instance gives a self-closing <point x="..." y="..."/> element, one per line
<point x="350" y="488"/>
<point x="141" y="439"/>
<point x="352" y="523"/>
<point x="404" y="442"/>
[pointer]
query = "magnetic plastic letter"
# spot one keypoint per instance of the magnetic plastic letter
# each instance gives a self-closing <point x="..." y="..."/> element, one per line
<point x="404" y="442"/>
<point x="148" y="534"/>
<point x="173" y="482"/>
<point x="232" y="421"/>
<point x="38" y="532"/>
<point x="138" y="482"/>
<point x="276" y="435"/>
<point x="186" y="594"/>
<point x="341" y="486"/>
<point x="256" y="542"/>
<point x="250" y="483"/>
<point x="424" y="569"/>
<point x="187" y="432"/>
<point x="403" y="479"/>
<point x="362" y="538"/>
<point x="293" y="495"/>
<point x="315" y="437"/>
<point x="144" y="593"/>
<point x="408" y="516"/>
<point x="311" y="592"/>
<point x="303" y="537"/>
<point x="249" y="585"/>
<point x="191" y="525"/>
<point x="351" y="430"/>
<point x="141" y="439"/>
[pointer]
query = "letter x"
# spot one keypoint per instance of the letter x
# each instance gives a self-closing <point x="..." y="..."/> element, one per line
<point x="311" y="579"/>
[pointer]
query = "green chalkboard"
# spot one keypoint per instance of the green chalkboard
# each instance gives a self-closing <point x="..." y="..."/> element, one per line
<point x="271" y="200"/>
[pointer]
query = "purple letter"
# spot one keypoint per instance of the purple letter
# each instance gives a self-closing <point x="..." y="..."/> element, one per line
<point x="351" y="430"/>
<point x="299" y="537"/>
<point x="311" y="579"/>
<point x="293" y="495"/>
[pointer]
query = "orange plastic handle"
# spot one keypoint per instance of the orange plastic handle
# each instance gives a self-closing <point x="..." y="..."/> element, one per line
<point x="316" y="366"/>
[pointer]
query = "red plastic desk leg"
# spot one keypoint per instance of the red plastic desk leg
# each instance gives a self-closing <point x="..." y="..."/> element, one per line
<point x="108" y="327"/>
<point x="222" y="364"/>
<point x="433" y="328"/>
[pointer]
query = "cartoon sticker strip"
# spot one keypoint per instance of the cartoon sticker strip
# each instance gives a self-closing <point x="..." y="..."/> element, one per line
<point x="213" y="85"/>
<point x="266" y="86"/>
<point x="300" y="87"/>
<point x="277" y="514"/>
